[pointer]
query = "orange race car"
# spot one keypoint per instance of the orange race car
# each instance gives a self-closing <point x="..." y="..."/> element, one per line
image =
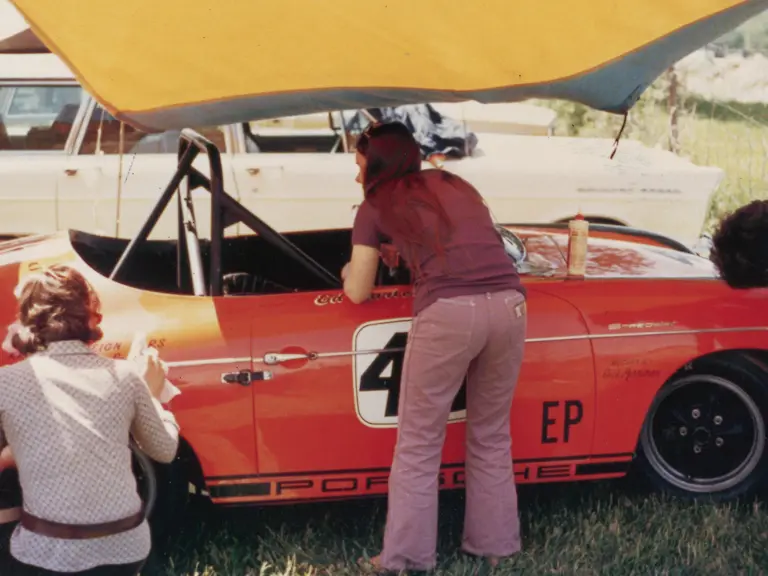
<point x="289" y="392"/>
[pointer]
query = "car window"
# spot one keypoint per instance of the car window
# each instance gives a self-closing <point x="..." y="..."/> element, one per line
<point x="37" y="118"/>
<point x="102" y="136"/>
<point x="318" y="133"/>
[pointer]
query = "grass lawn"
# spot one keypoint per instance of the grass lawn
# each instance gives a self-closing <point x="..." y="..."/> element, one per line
<point x="614" y="528"/>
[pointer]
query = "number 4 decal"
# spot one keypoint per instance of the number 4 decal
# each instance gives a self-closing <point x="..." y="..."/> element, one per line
<point x="378" y="368"/>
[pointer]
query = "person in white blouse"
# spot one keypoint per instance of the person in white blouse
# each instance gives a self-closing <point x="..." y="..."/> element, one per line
<point x="67" y="414"/>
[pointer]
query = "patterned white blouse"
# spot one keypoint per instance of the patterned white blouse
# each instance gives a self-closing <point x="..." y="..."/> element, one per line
<point x="67" y="413"/>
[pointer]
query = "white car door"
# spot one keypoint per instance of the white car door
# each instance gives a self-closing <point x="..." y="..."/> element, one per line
<point x="296" y="179"/>
<point x="137" y="177"/>
<point x="36" y="121"/>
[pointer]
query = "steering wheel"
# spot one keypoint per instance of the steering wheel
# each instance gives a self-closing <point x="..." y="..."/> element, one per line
<point x="245" y="283"/>
<point x="513" y="245"/>
<point x="388" y="275"/>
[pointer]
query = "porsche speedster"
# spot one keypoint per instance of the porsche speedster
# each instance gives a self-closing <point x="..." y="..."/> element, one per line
<point x="289" y="392"/>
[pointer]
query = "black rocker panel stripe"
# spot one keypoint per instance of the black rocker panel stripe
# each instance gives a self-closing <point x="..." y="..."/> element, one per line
<point x="306" y="479"/>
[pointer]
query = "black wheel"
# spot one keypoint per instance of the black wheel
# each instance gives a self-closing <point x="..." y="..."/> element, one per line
<point x="704" y="435"/>
<point x="163" y="491"/>
<point x="146" y="478"/>
<point x="159" y="486"/>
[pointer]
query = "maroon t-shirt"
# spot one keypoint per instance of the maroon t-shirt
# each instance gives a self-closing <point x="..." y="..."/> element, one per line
<point x="474" y="261"/>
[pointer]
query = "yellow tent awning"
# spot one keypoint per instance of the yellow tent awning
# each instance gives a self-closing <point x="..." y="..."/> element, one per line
<point x="163" y="64"/>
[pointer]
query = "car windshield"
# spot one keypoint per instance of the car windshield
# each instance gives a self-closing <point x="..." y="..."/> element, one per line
<point x="527" y="263"/>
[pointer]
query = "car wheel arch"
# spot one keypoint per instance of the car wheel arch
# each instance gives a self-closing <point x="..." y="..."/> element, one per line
<point x="173" y="484"/>
<point x="746" y="360"/>
<point x="754" y="355"/>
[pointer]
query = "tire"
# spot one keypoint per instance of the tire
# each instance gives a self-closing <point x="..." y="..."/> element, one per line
<point x="146" y="479"/>
<point x="704" y="436"/>
<point x="159" y="485"/>
<point x="162" y="489"/>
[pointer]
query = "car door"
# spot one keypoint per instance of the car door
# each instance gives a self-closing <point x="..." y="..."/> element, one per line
<point x="296" y="177"/>
<point x="36" y="132"/>
<point x="326" y="419"/>
<point x="98" y="174"/>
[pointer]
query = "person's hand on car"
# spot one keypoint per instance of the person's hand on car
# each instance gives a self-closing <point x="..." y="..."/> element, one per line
<point x="153" y="372"/>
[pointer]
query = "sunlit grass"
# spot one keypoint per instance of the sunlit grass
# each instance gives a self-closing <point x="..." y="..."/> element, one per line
<point x="603" y="528"/>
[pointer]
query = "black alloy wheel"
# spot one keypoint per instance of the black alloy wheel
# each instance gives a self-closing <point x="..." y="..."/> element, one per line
<point x="705" y="432"/>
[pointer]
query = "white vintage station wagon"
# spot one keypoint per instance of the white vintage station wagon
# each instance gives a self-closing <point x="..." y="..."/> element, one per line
<point x="64" y="164"/>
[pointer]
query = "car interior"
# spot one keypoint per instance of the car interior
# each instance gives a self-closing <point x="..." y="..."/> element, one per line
<point x="250" y="265"/>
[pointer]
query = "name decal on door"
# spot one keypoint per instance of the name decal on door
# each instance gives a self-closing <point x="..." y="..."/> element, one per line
<point x="325" y="299"/>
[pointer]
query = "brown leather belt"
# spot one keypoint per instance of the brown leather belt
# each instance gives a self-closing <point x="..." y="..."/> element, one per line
<point x="80" y="531"/>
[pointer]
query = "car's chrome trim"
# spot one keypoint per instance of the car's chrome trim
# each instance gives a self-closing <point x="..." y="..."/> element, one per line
<point x="319" y="355"/>
<point x="576" y="337"/>
<point x="209" y="361"/>
<point x="650" y="333"/>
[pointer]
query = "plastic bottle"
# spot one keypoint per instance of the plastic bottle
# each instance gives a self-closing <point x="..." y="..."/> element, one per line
<point x="578" y="235"/>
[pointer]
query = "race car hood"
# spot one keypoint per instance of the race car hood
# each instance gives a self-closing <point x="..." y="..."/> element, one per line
<point x="616" y="258"/>
<point x="18" y="249"/>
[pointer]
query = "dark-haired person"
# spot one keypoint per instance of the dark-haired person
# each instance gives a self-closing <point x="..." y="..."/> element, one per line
<point x="469" y="319"/>
<point x="67" y="413"/>
<point x="740" y="246"/>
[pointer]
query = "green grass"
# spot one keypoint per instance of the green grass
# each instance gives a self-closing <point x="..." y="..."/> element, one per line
<point x="736" y="144"/>
<point x="609" y="528"/>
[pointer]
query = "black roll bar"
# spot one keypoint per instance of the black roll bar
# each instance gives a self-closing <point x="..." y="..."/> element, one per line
<point x="191" y="144"/>
<point x="269" y="234"/>
<point x="187" y="155"/>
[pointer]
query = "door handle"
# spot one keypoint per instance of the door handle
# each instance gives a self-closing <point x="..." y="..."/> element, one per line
<point x="244" y="377"/>
<point x="273" y="358"/>
<point x="70" y="171"/>
<point x="253" y="171"/>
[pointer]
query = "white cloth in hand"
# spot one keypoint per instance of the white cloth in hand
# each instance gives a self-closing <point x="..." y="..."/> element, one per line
<point x="140" y="348"/>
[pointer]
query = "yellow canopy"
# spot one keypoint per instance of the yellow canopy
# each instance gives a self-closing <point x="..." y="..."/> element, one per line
<point x="162" y="64"/>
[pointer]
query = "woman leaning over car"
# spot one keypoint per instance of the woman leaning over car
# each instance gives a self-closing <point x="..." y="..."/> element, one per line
<point x="67" y="414"/>
<point x="469" y="319"/>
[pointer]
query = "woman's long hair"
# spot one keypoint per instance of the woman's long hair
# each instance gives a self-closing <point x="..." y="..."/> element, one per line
<point x="395" y="186"/>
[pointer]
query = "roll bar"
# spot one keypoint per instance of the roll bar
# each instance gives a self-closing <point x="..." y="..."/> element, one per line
<point x="225" y="211"/>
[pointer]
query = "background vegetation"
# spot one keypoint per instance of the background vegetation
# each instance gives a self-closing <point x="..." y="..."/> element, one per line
<point x="730" y="135"/>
